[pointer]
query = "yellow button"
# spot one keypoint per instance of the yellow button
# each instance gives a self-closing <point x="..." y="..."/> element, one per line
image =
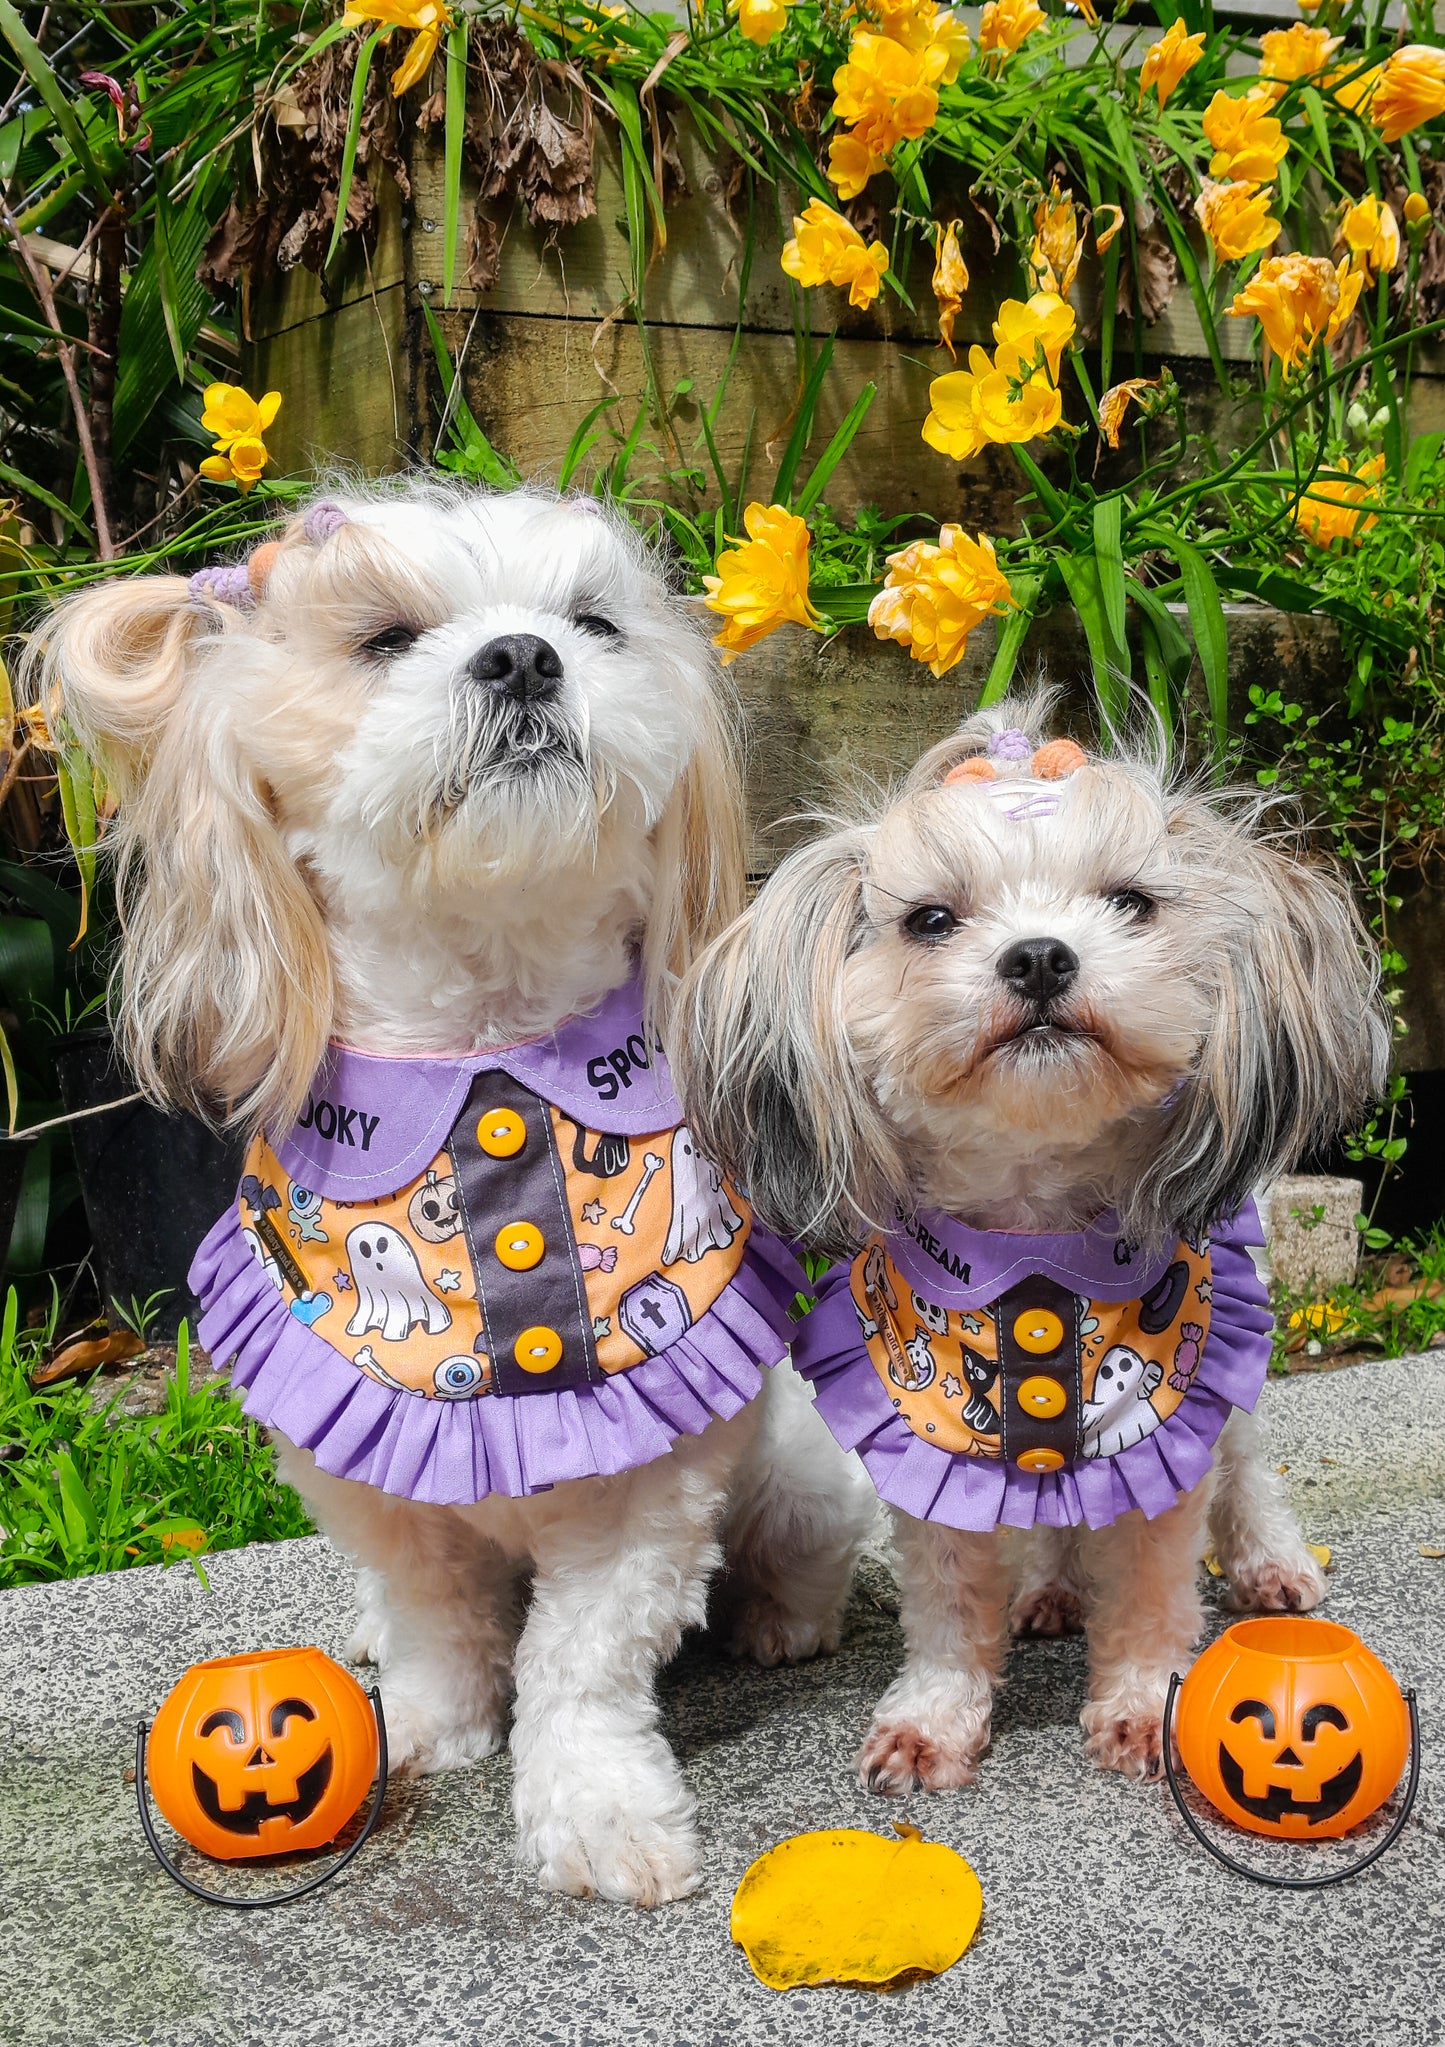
<point x="1038" y="1331"/>
<point x="501" y="1133"/>
<point x="1042" y="1396"/>
<point x="1040" y="1460"/>
<point x="537" y="1350"/>
<point x="520" y="1246"/>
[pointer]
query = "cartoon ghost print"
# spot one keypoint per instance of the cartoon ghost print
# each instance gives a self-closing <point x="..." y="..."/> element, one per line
<point x="391" y="1294"/>
<point x="1119" y="1413"/>
<point x="703" y="1217"/>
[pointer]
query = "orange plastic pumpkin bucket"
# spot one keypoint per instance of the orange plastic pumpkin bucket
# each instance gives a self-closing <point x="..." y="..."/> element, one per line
<point x="263" y="1754"/>
<point x="1292" y="1728"/>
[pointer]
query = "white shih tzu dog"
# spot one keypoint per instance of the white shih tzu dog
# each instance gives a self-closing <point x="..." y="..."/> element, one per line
<point x="1020" y="1043"/>
<point x="422" y="811"/>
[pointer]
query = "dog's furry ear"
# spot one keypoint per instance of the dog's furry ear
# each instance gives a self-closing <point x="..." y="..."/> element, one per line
<point x="110" y="663"/>
<point x="1300" y="1044"/>
<point x="770" y="1083"/>
<point x="224" y="984"/>
<point x="700" y="850"/>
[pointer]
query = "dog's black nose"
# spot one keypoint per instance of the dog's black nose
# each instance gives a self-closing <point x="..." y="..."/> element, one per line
<point x="1038" y="968"/>
<point x="520" y="666"/>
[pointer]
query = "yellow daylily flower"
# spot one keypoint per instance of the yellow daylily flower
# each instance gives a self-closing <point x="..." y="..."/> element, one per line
<point x="886" y="93"/>
<point x="1057" y="244"/>
<point x="1334" y="509"/>
<point x="851" y="163"/>
<point x="242" y="464"/>
<point x="1372" y="235"/>
<point x="429" y="19"/>
<point x="950" y="282"/>
<point x="1299" y="301"/>
<point x="238" y="422"/>
<point x="1354" y="90"/>
<point x="1295" y="52"/>
<point x="919" y="24"/>
<point x="1023" y="329"/>
<point x="1410" y="92"/>
<point x="761" y="582"/>
<point x="827" y="249"/>
<point x="987" y="403"/>
<point x="1237" y="218"/>
<point x="1007" y="24"/>
<point x="1248" y="142"/>
<point x="231" y="414"/>
<point x="1166" y="61"/>
<point x="760" y="20"/>
<point x="935" y="596"/>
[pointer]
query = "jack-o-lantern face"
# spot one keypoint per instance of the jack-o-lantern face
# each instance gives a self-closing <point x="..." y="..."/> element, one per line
<point x="1292" y="1727"/>
<point x="262" y="1755"/>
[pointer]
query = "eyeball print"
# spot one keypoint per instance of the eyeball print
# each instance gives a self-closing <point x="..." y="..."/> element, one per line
<point x="460" y="1377"/>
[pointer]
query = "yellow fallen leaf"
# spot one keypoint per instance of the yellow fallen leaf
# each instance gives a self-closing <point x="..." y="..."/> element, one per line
<point x="1322" y="1554"/>
<point x="192" y="1539"/>
<point x="1213" y="1565"/>
<point x="1427" y="1550"/>
<point x="846" y="1906"/>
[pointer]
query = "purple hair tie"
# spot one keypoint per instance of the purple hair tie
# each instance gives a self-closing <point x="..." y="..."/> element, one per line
<point x="323" y="520"/>
<point x="223" y="584"/>
<point x="1011" y="745"/>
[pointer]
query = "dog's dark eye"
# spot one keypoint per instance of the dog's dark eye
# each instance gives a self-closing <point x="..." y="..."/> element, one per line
<point x="389" y="642"/>
<point x="1132" y="902"/>
<point x="930" y="924"/>
<point x="594" y="622"/>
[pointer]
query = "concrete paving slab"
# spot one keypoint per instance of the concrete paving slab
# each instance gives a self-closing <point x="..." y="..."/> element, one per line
<point x="1105" y="1925"/>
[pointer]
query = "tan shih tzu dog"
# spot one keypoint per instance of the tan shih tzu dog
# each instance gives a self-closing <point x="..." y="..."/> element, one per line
<point x="422" y="811"/>
<point x="1019" y="1043"/>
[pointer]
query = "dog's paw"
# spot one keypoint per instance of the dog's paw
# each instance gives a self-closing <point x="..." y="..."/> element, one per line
<point x="1275" y="1585"/>
<point x="1047" y="1610"/>
<point x="363" y="1644"/>
<point x="897" y="1758"/>
<point x="1129" y="1741"/>
<point x="421" y="1743"/>
<point x="623" y="1857"/>
<point x="770" y="1634"/>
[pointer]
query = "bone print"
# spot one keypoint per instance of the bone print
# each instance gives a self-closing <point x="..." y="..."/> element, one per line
<point x="654" y="1165"/>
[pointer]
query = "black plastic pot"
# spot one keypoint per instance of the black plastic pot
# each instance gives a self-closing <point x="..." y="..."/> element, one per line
<point x="152" y="1184"/>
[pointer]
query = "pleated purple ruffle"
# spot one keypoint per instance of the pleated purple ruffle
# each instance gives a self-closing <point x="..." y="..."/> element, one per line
<point x="978" y="1493"/>
<point x="452" y="1452"/>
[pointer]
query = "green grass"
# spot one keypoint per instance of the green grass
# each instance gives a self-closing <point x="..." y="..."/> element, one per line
<point x="83" y="1490"/>
<point x="1365" y="1317"/>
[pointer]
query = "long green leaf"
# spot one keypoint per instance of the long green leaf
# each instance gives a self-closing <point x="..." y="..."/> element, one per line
<point x="1012" y="632"/>
<point x="1109" y="555"/>
<point x="1211" y="639"/>
<point x="353" y="135"/>
<point x="802" y="428"/>
<point x="456" y="121"/>
<point x="836" y="449"/>
<point x="166" y="272"/>
<point x="1108" y="657"/>
<point x="147" y="362"/>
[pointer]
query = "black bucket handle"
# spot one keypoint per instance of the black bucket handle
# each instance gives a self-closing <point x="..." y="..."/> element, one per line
<point x="1260" y="1876"/>
<point x="312" y="1883"/>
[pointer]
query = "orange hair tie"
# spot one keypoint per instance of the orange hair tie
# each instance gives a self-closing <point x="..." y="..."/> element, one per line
<point x="1058" y="758"/>
<point x="976" y="769"/>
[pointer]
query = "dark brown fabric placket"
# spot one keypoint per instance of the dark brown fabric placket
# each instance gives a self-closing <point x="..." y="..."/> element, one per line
<point x="524" y="1312"/>
<point x="1040" y="1388"/>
